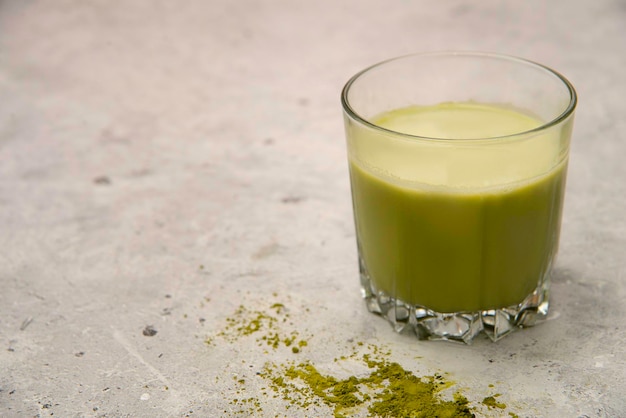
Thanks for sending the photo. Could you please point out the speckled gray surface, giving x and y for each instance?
(162, 163)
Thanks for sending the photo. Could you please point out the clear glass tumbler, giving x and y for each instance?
(457, 166)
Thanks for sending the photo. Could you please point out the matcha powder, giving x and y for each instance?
(388, 391)
(378, 387)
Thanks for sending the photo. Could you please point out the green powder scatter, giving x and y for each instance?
(382, 389)
(388, 391)
(244, 323)
(491, 402)
(278, 307)
(266, 326)
(246, 406)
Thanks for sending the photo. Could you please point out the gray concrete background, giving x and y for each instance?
(162, 163)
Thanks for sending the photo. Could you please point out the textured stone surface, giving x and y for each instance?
(162, 163)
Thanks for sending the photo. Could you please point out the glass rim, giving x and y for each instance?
(569, 110)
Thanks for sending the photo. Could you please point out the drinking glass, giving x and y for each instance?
(457, 167)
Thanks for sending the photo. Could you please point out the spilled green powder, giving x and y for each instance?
(491, 402)
(387, 391)
(380, 388)
(244, 404)
(266, 326)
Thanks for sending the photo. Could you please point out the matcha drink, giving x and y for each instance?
(462, 224)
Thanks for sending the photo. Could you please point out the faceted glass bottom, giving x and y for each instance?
(458, 326)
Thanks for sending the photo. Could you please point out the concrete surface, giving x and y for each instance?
(163, 163)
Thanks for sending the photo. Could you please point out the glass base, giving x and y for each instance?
(458, 326)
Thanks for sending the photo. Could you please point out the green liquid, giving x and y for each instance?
(435, 228)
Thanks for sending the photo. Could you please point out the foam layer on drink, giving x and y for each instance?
(460, 147)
